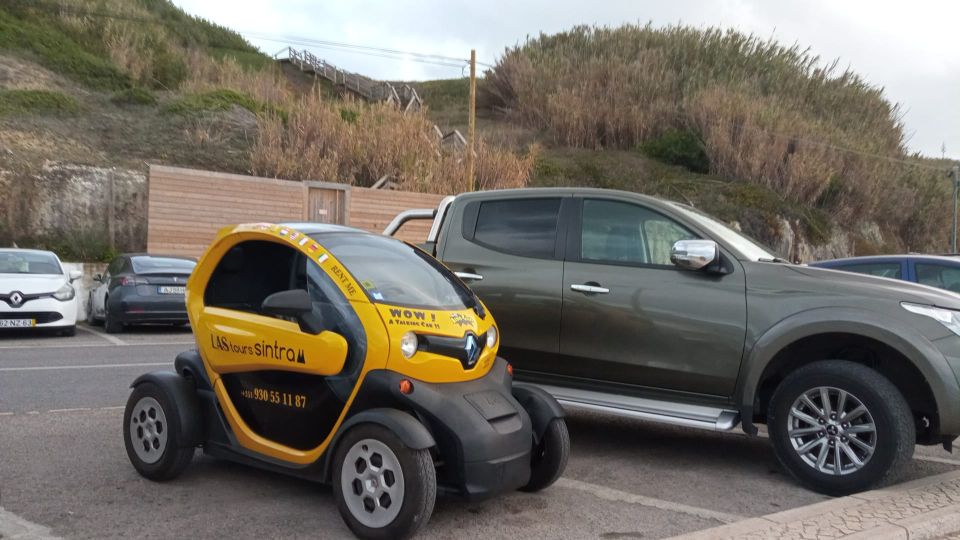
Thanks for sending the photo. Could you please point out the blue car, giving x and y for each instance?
(933, 270)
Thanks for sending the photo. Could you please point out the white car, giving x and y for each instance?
(35, 292)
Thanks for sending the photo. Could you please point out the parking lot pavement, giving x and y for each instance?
(63, 466)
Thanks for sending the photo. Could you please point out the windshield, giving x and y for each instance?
(396, 273)
(747, 247)
(29, 262)
(150, 265)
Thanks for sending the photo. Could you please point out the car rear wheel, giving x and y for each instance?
(840, 427)
(152, 434)
(111, 324)
(383, 488)
(549, 458)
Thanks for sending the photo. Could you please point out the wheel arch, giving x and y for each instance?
(903, 356)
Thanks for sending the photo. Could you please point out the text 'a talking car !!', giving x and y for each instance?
(340, 356)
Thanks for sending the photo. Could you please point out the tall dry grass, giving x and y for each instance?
(767, 114)
(358, 143)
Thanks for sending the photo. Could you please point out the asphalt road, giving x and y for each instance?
(63, 465)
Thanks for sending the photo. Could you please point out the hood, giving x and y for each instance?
(880, 287)
(31, 283)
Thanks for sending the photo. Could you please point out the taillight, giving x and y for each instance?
(129, 281)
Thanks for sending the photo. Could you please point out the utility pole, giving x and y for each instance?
(955, 173)
(472, 130)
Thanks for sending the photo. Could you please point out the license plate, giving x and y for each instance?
(491, 404)
(171, 290)
(17, 323)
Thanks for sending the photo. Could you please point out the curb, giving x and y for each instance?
(13, 527)
(920, 509)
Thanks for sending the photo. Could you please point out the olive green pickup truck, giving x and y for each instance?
(626, 304)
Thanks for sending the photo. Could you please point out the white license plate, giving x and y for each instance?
(17, 323)
(171, 290)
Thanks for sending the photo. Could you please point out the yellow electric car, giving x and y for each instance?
(340, 356)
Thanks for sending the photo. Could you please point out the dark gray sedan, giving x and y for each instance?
(140, 288)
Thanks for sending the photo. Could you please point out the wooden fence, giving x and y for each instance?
(186, 207)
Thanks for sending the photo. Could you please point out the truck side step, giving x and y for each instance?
(665, 412)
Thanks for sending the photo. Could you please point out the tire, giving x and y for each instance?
(892, 437)
(91, 317)
(549, 457)
(414, 482)
(164, 458)
(111, 324)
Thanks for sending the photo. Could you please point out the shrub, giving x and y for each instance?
(134, 96)
(678, 147)
(220, 100)
(36, 102)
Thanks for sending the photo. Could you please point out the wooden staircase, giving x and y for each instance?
(404, 96)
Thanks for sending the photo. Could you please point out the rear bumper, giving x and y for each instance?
(133, 308)
(46, 312)
(483, 436)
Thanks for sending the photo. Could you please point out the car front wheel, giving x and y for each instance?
(383, 488)
(840, 427)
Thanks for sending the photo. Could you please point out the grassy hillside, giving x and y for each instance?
(734, 106)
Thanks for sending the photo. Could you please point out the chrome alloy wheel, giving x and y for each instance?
(832, 430)
(372, 483)
(148, 430)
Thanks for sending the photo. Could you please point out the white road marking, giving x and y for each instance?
(70, 410)
(936, 459)
(13, 526)
(79, 409)
(117, 408)
(98, 345)
(90, 366)
(6, 414)
(609, 494)
(112, 339)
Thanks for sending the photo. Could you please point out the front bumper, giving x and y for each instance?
(484, 436)
(47, 312)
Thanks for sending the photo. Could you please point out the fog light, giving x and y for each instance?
(406, 386)
(409, 344)
(491, 337)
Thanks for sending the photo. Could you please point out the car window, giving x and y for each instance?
(525, 227)
(939, 275)
(619, 232)
(251, 271)
(143, 264)
(29, 262)
(884, 269)
(115, 266)
(396, 273)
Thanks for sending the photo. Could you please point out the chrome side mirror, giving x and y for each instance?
(694, 254)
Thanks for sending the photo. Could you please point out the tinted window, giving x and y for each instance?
(28, 262)
(939, 275)
(146, 264)
(393, 272)
(250, 272)
(885, 269)
(522, 226)
(116, 266)
(621, 232)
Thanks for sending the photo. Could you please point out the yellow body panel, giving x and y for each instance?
(232, 341)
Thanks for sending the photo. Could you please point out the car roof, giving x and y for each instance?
(23, 250)
(902, 257)
(323, 228)
(159, 255)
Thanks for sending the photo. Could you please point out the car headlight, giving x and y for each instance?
(409, 344)
(491, 337)
(65, 293)
(946, 317)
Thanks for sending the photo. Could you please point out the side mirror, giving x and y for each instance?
(98, 278)
(296, 304)
(292, 303)
(75, 275)
(694, 254)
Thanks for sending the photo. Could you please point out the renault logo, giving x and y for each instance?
(472, 348)
(16, 299)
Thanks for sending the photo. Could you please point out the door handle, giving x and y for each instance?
(590, 289)
(469, 276)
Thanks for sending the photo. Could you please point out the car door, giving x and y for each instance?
(508, 250)
(274, 375)
(631, 317)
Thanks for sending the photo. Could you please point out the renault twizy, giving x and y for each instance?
(345, 357)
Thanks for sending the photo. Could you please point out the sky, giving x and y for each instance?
(910, 49)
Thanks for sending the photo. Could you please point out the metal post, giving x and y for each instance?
(472, 130)
(955, 172)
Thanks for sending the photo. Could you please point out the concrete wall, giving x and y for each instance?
(85, 283)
